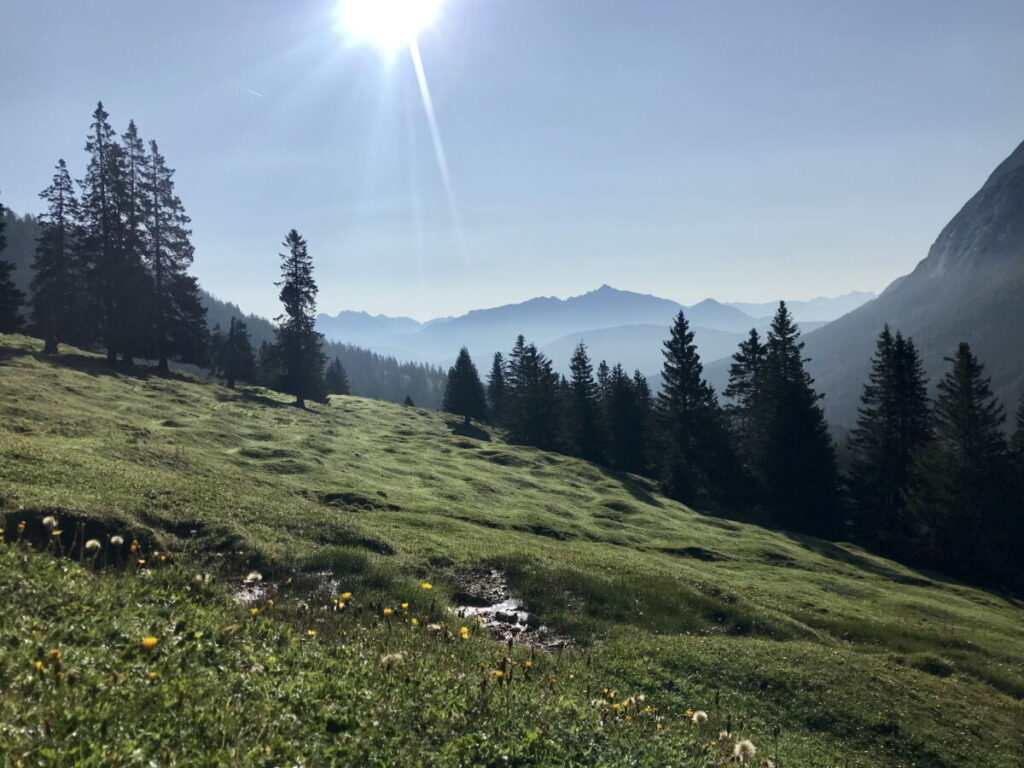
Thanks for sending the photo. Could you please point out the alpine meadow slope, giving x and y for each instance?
(819, 653)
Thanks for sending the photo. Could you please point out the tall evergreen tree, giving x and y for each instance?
(496, 389)
(794, 457)
(11, 298)
(892, 426)
(583, 433)
(533, 397)
(135, 336)
(627, 416)
(176, 311)
(302, 361)
(744, 386)
(336, 379)
(103, 233)
(686, 416)
(232, 355)
(959, 495)
(464, 392)
(58, 283)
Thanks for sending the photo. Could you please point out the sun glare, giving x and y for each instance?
(387, 24)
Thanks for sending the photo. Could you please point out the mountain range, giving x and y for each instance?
(618, 326)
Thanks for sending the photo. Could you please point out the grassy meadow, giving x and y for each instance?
(818, 653)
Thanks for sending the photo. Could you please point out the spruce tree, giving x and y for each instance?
(58, 283)
(959, 494)
(794, 456)
(302, 361)
(464, 392)
(11, 298)
(496, 389)
(336, 379)
(744, 386)
(686, 413)
(583, 434)
(103, 233)
(533, 397)
(891, 428)
(176, 311)
(135, 337)
(408, 402)
(268, 366)
(626, 421)
(232, 354)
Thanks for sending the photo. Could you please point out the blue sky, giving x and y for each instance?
(741, 150)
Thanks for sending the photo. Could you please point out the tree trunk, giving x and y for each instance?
(50, 347)
(300, 401)
(162, 366)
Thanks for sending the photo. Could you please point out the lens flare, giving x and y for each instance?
(387, 24)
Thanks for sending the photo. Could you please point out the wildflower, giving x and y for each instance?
(39, 666)
(142, 561)
(57, 655)
(414, 621)
(153, 675)
(270, 603)
(50, 522)
(163, 558)
(391, 659)
(21, 527)
(56, 532)
(498, 673)
(744, 751)
(700, 717)
(149, 642)
(405, 606)
(527, 664)
(346, 595)
(464, 633)
(253, 611)
(116, 541)
(311, 632)
(135, 546)
(93, 545)
(253, 577)
(388, 611)
(426, 585)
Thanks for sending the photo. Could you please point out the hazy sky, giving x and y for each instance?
(745, 151)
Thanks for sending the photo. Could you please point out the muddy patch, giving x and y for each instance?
(484, 596)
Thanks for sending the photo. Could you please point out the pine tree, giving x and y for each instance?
(11, 298)
(302, 362)
(686, 413)
(135, 336)
(408, 402)
(58, 283)
(583, 433)
(959, 494)
(177, 314)
(496, 389)
(464, 392)
(336, 379)
(891, 428)
(232, 354)
(268, 366)
(532, 397)
(103, 233)
(794, 456)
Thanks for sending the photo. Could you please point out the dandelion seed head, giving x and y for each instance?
(116, 541)
(700, 717)
(253, 577)
(93, 545)
(50, 522)
(744, 750)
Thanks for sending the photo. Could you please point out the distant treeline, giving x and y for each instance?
(935, 484)
(106, 266)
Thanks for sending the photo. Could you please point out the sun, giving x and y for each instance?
(386, 24)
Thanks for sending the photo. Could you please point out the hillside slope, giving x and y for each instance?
(851, 657)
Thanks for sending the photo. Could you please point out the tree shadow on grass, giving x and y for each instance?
(462, 429)
(634, 486)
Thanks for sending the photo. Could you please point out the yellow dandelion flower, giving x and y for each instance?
(142, 561)
(39, 666)
(346, 595)
(56, 532)
(153, 675)
(572, 676)
(21, 527)
(163, 558)
(414, 621)
(253, 611)
(405, 606)
(658, 726)
(498, 673)
(149, 642)
(426, 585)
(57, 655)
(311, 632)
(135, 546)
(270, 603)
(464, 632)
(527, 664)
(388, 611)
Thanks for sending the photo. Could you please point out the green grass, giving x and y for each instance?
(852, 659)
